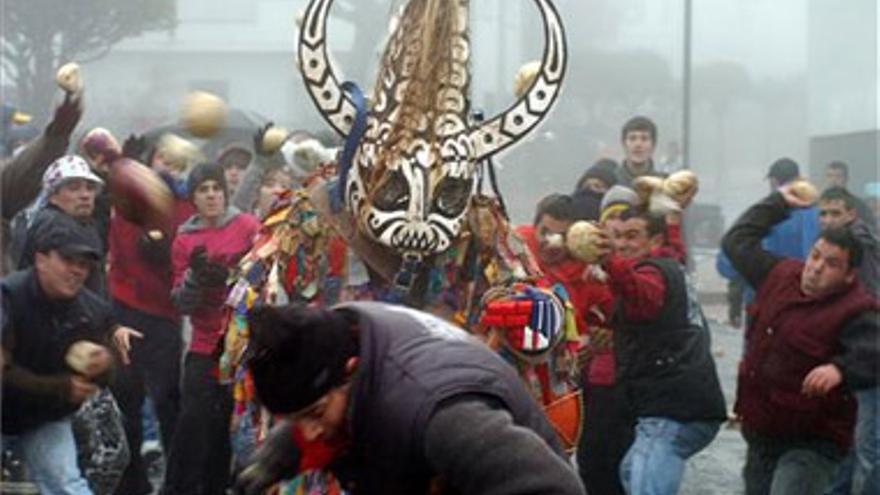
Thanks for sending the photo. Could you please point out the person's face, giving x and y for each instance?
(61, 277)
(233, 177)
(638, 146)
(324, 420)
(160, 164)
(826, 270)
(273, 184)
(209, 200)
(596, 185)
(550, 233)
(834, 213)
(76, 197)
(630, 238)
(835, 177)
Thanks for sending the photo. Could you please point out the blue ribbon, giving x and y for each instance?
(351, 142)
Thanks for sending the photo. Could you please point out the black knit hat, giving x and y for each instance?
(297, 354)
(206, 171)
(605, 169)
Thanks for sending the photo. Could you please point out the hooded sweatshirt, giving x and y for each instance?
(587, 201)
(225, 243)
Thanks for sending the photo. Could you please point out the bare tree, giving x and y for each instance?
(40, 35)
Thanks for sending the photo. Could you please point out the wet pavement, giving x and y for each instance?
(716, 470)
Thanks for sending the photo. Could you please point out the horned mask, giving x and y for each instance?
(411, 176)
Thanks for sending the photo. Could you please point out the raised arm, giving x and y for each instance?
(22, 176)
(742, 243)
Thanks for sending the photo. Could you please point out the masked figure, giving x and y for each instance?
(404, 219)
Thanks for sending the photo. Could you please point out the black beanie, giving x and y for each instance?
(206, 171)
(297, 354)
(604, 169)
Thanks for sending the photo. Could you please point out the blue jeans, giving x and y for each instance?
(50, 455)
(777, 466)
(655, 463)
(859, 474)
(866, 477)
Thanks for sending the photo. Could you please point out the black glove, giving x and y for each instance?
(155, 249)
(207, 273)
(66, 117)
(134, 147)
(258, 140)
(276, 459)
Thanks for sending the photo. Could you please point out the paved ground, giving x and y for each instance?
(716, 470)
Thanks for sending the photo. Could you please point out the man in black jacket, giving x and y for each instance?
(415, 403)
(838, 208)
(663, 353)
(837, 175)
(47, 312)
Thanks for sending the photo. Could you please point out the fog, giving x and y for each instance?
(796, 78)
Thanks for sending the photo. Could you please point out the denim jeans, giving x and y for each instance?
(866, 475)
(655, 463)
(783, 467)
(50, 455)
(842, 484)
(859, 473)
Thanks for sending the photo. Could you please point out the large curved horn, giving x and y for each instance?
(317, 72)
(510, 126)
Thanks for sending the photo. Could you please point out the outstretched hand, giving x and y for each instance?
(122, 340)
(258, 139)
(134, 147)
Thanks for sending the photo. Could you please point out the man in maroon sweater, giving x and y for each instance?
(813, 338)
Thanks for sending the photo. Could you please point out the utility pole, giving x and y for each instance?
(686, 88)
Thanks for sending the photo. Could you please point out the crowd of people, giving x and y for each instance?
(284, 314)
(371, 382)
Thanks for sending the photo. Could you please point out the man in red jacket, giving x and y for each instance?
(140, 286)
(813, 338)
(546, 241)
(607, 426)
